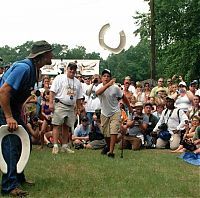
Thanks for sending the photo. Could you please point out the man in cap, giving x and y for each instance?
(81, 133)
(65, 95)
(109, 95)
(174, 121)
(15, 87)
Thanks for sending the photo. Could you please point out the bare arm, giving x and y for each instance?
(102, 89)
(5, 91)
(126, 101)
(51, 100)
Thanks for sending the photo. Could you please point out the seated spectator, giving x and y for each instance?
(189, 134)
(47, 116)
(195, 109)
(96, 138)
(169, 127)
(159, 110)
(33, 128)
(150, 139)
(196, 140)
(136, 126)
(81, 133)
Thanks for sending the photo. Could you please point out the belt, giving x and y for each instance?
(58, 101)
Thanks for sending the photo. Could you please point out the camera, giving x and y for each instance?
(136, 118)
(163, 127)
(95, 81)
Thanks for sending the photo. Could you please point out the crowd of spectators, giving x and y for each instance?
(170, 102)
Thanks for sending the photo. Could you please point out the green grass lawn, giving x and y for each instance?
(145, 173)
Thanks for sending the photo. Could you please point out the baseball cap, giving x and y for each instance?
(106, 71)
(84, 118)
(194, 82)
(182, 83)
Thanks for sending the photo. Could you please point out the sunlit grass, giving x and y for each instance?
(145, 173)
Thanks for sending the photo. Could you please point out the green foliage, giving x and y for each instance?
(11, 55)
(133, 62)
(177, 37)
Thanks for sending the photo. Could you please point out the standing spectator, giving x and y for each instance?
(139, 94)
(131, 87)
(160, 84)
(128, 94)
(173, 92)
(109, 95)
(45, 85)
(193, 87)
(147, 91)
(66, 91)
(184, 98)
(15, 88)
(93, 101)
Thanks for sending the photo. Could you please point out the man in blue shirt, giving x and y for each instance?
(15, 87)
(81, 133)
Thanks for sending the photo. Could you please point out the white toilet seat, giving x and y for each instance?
(24, 137)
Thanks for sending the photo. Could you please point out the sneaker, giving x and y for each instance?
(49, 145)
(55, 150)
(105, 150)
(66, 149)
(112, 155)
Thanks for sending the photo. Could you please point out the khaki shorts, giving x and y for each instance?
(63, 114)
(111, 125)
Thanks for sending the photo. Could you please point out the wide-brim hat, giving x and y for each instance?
(138, 104)
(39, 47)
(162, 89)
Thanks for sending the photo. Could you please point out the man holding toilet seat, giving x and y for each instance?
(15, 87)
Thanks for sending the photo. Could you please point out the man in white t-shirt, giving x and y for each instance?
(66, 91)
(109, 95)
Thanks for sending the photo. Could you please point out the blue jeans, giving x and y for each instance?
(11, 150)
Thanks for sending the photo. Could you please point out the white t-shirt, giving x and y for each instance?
(93, 101)
(67, 90)
(197, 92)
(109, 99)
